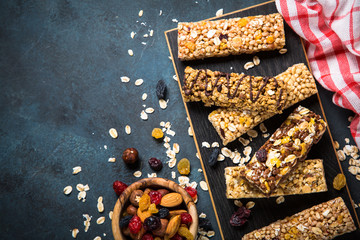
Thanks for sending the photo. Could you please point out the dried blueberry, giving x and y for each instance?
(240, 217)
(152, 223)
(155, 164)
(205, 224)
(261, 155)
(223, 36)
(124, 222)
(213, 157)
(163, 213)
(161, 89)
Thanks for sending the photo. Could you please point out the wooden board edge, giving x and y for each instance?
(195, 140)
(331, 138)
(229, 13)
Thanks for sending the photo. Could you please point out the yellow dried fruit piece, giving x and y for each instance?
(285, 140)
(153, 209)
(191, 46)
(184, 232)
(339, 181)
(303, 148)
(157, 133)
(223, 46)
(242, 22)
(144, 202)
(270, 39)
(258, 34)
(143, 214)
(184, 166)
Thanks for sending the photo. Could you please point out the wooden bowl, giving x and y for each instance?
(152, 182)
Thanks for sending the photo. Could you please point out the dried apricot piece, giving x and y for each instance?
(184, 232)
(157, 133)
(144, 202)
(184, 166)
(339, 181)
(242, 22)
(270, 39)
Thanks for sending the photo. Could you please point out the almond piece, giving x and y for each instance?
(171, 200)
(176, 212)
(173, 226)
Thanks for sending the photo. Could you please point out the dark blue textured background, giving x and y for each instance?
(60, 68)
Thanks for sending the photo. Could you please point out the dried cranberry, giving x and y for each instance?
(186, 218)
(124, 222)
(119, 187)
(223, 36)
(191, 191)
(161, 89)
(135, 225)
(163, 213)
(240, 217)
(155, 164)
(147, 236)
(152, 223)
(155, 197)
(176, 237)
(213, 157)
(205, 224)
(261, 155)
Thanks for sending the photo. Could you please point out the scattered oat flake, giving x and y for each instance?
(138, 82)
(151, 33)
(347, 140)
(176, 148)
(205, 144)
(76, 170)
(249, 65)
(80, 187)
(247, 151)
(252, 133)
(125, 79)
(141, 12)
(175, 77)
(250, 205)
(130, 52)
(226, 152)
(263, 128)
(146, 35)
(127, 129)
(100, 207)
(219, 12)
(137, 174)
(67, 190)
(200, 170)
(150, 175)
(202, 215)
(100, 220)
(336, 144)
(144, 96)
(244, 141)
(190, 132)
(220, 157)
(160, 13)
(256, 60)
(215, 144)
(163, 103)
(143, 115)
(173, 174)
(132, 34)
(341, 155)
(112, 160)
(204, 186)
(74, 232)
(149, 110)
(97, 238)
(283, 51)
(210, 233)
(280, 200)
(174, 20)
(197, 155)
(113, 133)
(81, 195)
(266, 135)
(110, 215)
(238, 203)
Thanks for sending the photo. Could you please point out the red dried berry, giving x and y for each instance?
(261, 155)
(186, 218)
(191, 191)
(240, 217)
(176, 237)
(155, 197)
(147, 236)
(135, 225)
(119, 187)
(155, 164)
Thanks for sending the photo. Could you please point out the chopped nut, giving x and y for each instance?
(67, 190)
(163, 103)
(113, 133)
(204, 186)
(250, 205)
(341, 155)
(127, 129)
(111, 160)
(138, 82)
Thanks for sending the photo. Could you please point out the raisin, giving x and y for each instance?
(155, 164)
(124, 222)
(135, 225)
(339, 181)
(161, 89)
(152, 223)
(213, 157)
(176, 237)
(186, 218)
(261, 155)
(184, 166)
(147, 236)
(144, 202)
(240, 217)
(157, 133)
(155, 197)
(223, 36)
(205, 224)
(191, 191)
(153, 209)
(184, 232)
(119, 187)
(163, 213)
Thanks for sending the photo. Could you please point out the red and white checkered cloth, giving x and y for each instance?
(331, 30)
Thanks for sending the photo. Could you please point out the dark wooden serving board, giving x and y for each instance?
(272, 63)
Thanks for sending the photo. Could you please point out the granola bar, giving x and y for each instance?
(234, 90)
(231, 123)
(198, 40)
(288, 145)
(324, 221)
(308, 177)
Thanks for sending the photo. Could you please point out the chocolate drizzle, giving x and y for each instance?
(237, 87)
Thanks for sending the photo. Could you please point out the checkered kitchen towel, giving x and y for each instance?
(331, 30)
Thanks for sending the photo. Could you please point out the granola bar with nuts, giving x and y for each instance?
(289, 145)
(231, 123)
(324, 221)
(308, 177)
(234, 90)
(234, 36)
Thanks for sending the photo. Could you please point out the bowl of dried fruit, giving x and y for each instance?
(154, 209)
